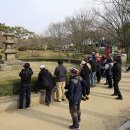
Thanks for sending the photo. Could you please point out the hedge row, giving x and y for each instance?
(52, 60)
(12, 87)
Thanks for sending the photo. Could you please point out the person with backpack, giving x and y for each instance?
(25, 89)
(60, 73)
(74, 95)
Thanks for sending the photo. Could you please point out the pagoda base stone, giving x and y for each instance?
(9, 57)
(11, 65)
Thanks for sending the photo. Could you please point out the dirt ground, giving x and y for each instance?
(100, 112)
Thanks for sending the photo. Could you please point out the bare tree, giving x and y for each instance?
(79, 28)
(114, 19)
(59, 33)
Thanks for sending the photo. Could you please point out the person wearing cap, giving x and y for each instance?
(74, 88)
(85, 74)
(45, 82)
(60, 73)
(25, 89)
(116, 70)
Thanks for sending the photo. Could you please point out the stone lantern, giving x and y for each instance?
(9, 51)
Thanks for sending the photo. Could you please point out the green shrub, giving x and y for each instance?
(36, 48)
(76, 61)
(12, 87)
(23, 48)
(89, 49)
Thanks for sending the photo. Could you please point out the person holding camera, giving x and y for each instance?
(25, 89)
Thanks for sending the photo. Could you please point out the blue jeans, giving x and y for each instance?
(93, 78)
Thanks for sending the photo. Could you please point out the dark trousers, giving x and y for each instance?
(48, 96)
(109, 79)
(86, 87)
(75, 113)
(116, 88)
(25, 90)
(38, 86)
(98, 74)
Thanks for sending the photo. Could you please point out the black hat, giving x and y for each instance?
(26, 65)
(116, 59)
(109, 60)
(60, 62)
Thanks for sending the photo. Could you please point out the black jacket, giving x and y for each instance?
(93, 64)
(45, 79)
(26, 75)
(116, 70)
(85, 73)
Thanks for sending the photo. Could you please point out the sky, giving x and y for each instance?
(36, 15)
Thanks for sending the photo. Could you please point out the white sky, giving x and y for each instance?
(36, 15)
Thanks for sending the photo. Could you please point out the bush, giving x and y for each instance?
(36, 48)
(89, 49)
(12, 87)
(52, 60)
(23, 48)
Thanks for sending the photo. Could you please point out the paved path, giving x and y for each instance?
(101, 112)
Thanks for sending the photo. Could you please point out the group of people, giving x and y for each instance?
(78, 86)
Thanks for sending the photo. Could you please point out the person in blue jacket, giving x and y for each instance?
(74, 97)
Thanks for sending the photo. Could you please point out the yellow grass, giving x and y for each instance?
(14, 74)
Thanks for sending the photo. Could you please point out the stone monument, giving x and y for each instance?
(9, 51)
(10, 62)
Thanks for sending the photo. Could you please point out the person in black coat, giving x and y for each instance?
(45, 82)
(25, 75)
(98, 72)
(116, 70)
(74, 95)
(85, 73)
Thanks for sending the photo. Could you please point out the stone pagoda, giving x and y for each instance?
(9, 51)
(10, 62)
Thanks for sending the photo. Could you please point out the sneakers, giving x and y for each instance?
(57, 100)
(119, 98)
(114, 94)
(84, 98)
(106, 84)
(28, 108)
(87, 98)
(73, 127)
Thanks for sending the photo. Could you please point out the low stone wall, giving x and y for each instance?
(12, 102)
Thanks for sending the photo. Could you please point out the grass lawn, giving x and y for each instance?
(14, 74)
